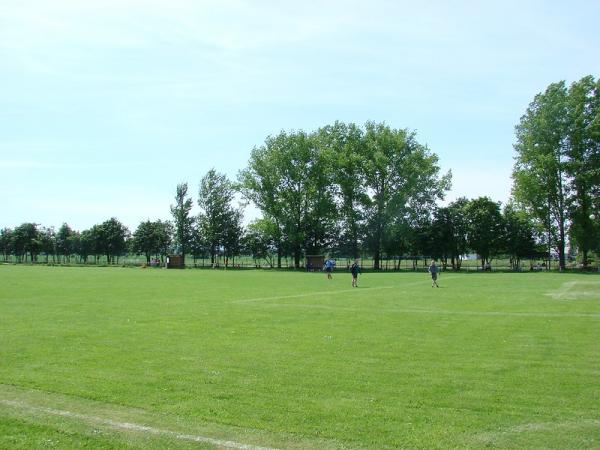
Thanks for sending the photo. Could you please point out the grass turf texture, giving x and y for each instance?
(291, 360)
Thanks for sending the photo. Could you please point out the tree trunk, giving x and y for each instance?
(297, 258)
(561, 247)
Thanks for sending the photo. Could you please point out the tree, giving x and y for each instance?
(403, 180)
(540, 177)
(458, 231)
(113, 236)
(74, 242)
(583, 160)
(88, 244)
(442, 236)
(260, 240)
(288, 180)
(182, 220)
(47, 240)
(152, 239)
(198, 246)
(344, 149)
(233, 236)
(219, 222)
(25, 239)
(64, 243)
(519, 235)
(485, 228)
(6, 243)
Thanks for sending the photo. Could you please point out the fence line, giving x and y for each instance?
(401, 264)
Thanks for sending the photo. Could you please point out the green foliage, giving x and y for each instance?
(6, 244)
(152, 239)
(219, 222)
(112, 237)
(288, 180)
(519, 239)
(182, 219)
(485, 228)
(64, 241)
(557, 170)
(261, 239)
(344, 148)
(583, 161)
(344, 187)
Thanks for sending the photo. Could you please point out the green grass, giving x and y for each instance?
(291, 360)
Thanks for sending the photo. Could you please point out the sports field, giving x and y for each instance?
(150, 358)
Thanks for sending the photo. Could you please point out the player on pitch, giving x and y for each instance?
(355, 270)
(433, 270)
(329, 265)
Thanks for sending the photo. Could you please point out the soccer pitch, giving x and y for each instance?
(150, 358)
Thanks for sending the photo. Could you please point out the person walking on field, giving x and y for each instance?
(433, 270)
(329, 264)
(355, 269)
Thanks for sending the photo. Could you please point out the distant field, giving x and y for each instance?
(150, 358)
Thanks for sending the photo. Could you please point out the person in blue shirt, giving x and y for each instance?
(329, 265)
(355, 270)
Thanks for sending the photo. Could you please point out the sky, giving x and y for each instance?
(105, 106)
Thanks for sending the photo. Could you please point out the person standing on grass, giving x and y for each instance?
(329, 264)
(355, 269)
(433, 270)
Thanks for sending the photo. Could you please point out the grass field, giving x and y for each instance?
(141, 358)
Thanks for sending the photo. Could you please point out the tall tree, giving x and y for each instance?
(540, 177)
(583, 160)
(403, 180)
(219, 221)
(344, 148)
(287, 179)
(182, 219)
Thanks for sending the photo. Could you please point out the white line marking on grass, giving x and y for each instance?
(343, 291)
(437, 312)
(564, 290)
(568, 291)
(549, 426)
(308, 294)
(500, 435)
(132, 426)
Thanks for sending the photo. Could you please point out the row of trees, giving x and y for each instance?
(463, 226)
(29, 240)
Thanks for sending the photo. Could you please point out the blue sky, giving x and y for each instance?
(107, 105)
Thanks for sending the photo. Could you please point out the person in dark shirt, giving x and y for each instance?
(433, 270)
(355, 270)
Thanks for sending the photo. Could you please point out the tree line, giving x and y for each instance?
(478, 225)
(372, 190)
